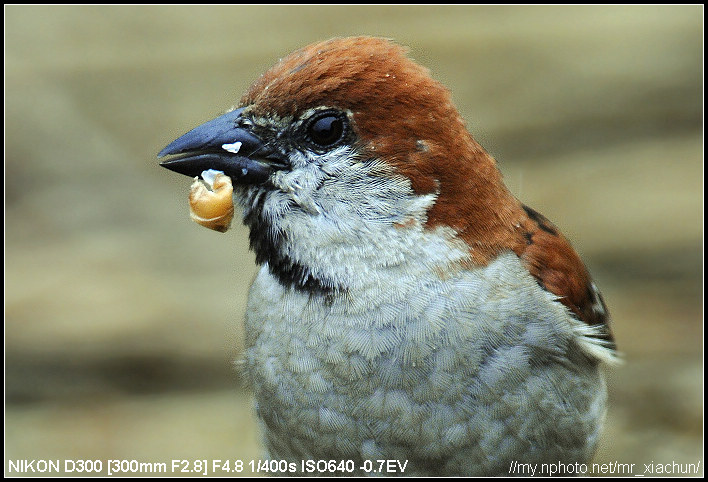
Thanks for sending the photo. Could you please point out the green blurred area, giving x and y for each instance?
(123, 318)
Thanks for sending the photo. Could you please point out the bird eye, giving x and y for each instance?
(326, 129)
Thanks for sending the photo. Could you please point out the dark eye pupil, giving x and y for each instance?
(326, 130)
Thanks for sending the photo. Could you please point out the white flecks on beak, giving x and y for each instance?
(232, 148)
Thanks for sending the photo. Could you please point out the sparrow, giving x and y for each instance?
(408, 307)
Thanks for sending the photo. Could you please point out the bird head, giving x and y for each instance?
(339, 139)
(347, 157)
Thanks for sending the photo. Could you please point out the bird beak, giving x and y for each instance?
(222, 144)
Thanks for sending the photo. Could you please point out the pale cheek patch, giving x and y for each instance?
(211, 202)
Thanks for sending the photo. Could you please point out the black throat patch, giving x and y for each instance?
(268, 244)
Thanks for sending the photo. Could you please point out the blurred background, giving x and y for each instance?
(123, 317)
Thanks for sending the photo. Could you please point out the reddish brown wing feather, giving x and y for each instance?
(551, 259)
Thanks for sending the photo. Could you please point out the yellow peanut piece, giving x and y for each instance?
(212, 208)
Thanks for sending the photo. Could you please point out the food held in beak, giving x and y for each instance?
(211, 201)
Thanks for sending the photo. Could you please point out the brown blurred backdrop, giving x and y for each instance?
(123, 317)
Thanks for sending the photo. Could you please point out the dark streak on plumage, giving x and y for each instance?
(551, 259)
(528, 237)
(540, 220)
